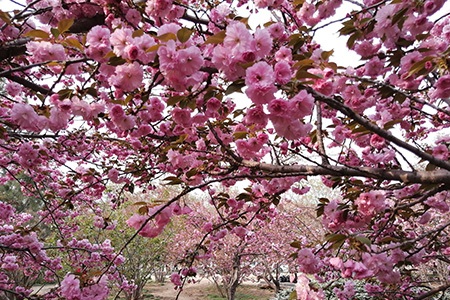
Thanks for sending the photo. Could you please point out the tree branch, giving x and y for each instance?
(28, 84)
(437, 176)
(333, 103)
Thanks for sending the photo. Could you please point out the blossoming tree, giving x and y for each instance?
(191, 93)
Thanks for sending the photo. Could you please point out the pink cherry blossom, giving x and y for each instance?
(237, 38)
(127, 77)
(25, 117)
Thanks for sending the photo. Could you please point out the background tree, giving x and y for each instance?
(144, 259)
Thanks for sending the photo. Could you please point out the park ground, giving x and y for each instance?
(205, 290)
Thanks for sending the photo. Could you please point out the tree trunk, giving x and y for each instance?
(234, 279)
(231, 292)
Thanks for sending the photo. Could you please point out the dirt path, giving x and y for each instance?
(201, 290)
(166, 291)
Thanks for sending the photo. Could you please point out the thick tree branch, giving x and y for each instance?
(319, 134)
(28, 84)
(333, 103)
(437, 176)
(13, 48)
(433, 292)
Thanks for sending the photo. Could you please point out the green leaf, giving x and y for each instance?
(64, 25)
(293, 295)
(192, 172)
(36, 33)
(5, 17)
(153, 48)
(184, 34)
(399, 15)
(65, 93)
(116, 61)
(181, 139)
(298, 3)
(296, 244)
(239, 135)
(167, 37)
(304, 64)
(173, 180)
(304, 74)
(216, 39)
(363, 240)
(55, 32)
(143, 210)
(326, 54)
(348, 28)
(391, 124)
(172, 101)
(73, 42)
(235, 87)
(352, 39)
(418, 67)
(137, 33)
(335, 237)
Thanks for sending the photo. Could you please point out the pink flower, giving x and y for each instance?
(283, 73)
(371, 202)
(168, 56)
(127, 77)
(182, 116)
(301, 105)
(261, 45)
(442, 88)
(279, 108)
(277, 31)
(261, 94)
(143, 43)
(98, 36)
(44, 51)
(356, 270)
(23, 115)
(260, 80)
(158, 8)
(120, 39)
(6, 211)
(207, 227)
(367, 48)
(70, 287)
(441, 152)
(377, 141)
(260, 74)
(125, 123)
(133, 16)
(131, 52)
(336, 262)
(237, 38)
(290, 129)
(116, 111)
(13, 88)
(190, 60)
(438, 202)
(58, 119)
(175, 278)
(308, 262)
(256, 116)
(284, 54)
(97, 291)
(240, 231)
(136, 221)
